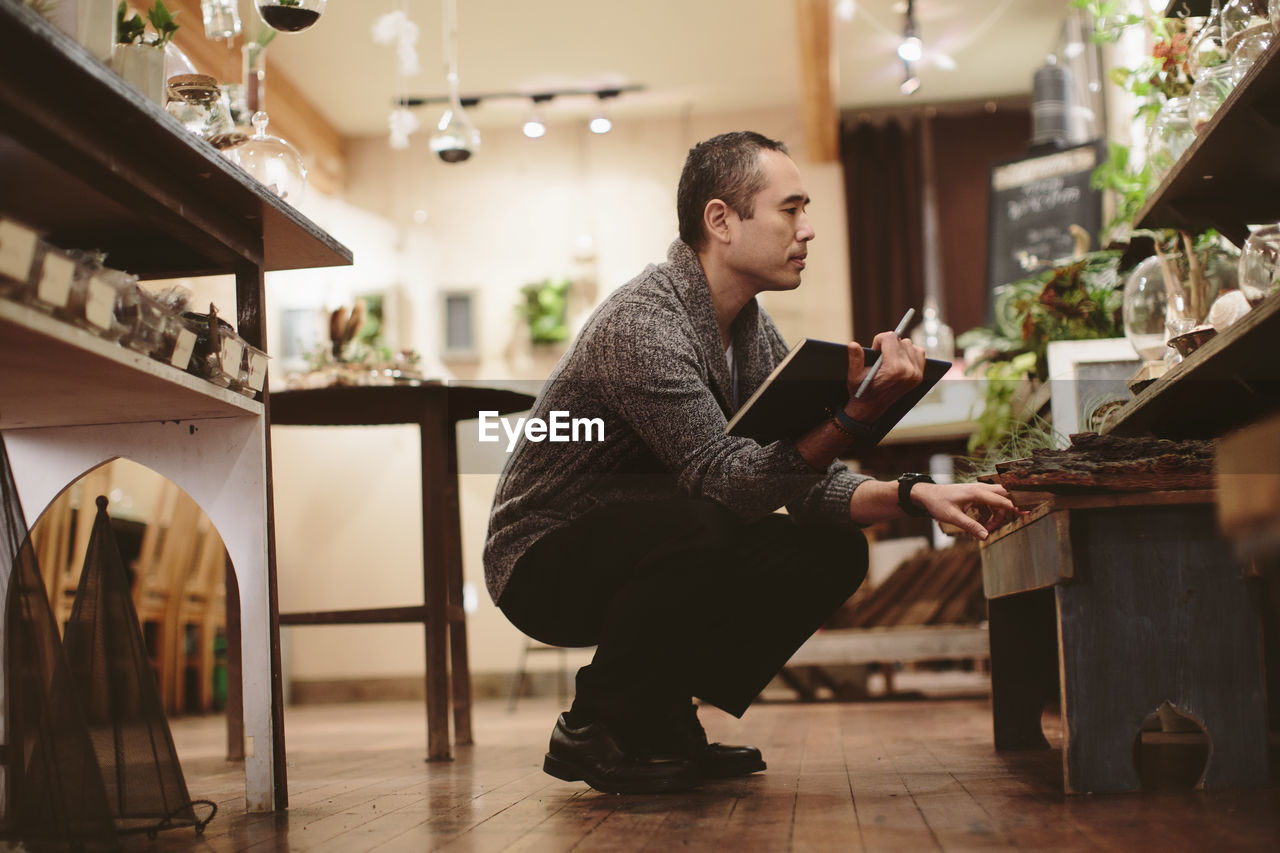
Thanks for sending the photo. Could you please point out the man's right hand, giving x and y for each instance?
(902, 369)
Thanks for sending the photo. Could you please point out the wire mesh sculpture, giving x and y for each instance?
(88, 752)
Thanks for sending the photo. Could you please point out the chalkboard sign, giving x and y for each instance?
(1033, 203)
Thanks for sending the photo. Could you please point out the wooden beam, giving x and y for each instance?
(293, 116)
(817, 76)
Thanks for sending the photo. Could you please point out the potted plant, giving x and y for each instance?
(545, 307)
(139, 57)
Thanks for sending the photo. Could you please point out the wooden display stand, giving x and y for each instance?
(91, 163)
(1135, 601)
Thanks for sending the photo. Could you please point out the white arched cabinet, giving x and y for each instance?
(92, 164)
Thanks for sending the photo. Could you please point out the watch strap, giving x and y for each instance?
(905, 482)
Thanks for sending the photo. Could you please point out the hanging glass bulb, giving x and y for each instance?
(289, 16)
(456, 138)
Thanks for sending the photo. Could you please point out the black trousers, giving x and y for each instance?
(682, 599)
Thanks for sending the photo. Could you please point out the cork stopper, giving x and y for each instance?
(199, 89)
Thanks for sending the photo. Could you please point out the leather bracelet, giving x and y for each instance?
(847, 425)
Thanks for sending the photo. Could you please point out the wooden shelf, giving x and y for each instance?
(87, 159)
(54, 373)
(1230, 381)
(1227, 178)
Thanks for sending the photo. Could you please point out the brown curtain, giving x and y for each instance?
(883, 192)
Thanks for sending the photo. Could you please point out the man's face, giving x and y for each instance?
(771, 246)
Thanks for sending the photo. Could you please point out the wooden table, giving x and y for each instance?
(1133, 601)
(436, 408)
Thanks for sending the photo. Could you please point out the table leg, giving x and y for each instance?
(235, 690)
(433, 430)
(460, 666)
(1024, 666)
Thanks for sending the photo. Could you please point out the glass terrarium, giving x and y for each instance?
(1171, 133)
(1209, 47)
(1260, 263)
(1210, 90)
(1238, 16)
(1144, 309)
(272, 161)
(289, 16)
(1248, 47)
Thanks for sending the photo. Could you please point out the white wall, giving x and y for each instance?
(347, 501)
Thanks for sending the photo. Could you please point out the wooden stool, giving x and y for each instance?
(436, 409)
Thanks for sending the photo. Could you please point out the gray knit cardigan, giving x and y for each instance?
(650, 365)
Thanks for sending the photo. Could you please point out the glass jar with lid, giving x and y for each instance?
(272, 161)
(202, 107)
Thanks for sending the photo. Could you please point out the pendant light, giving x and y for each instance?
(456, 138)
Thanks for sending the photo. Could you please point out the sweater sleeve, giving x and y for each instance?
(651, 377)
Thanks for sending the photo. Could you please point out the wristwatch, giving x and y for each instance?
(905, 482)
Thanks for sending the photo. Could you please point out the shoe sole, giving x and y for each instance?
(564, 770)
(732, 771)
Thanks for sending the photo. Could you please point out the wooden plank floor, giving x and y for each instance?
(908, 775)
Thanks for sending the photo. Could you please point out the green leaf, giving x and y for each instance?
(128, 30)
(164, 22)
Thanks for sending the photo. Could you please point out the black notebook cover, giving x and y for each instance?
(810, 381)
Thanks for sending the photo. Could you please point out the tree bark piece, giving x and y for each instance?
(1113, 463)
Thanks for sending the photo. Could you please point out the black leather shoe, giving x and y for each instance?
(590, 754)
(720, 761)
(715, 760)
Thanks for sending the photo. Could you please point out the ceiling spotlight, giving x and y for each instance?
(600, 122)
(534, 128)
(910, 82)
(910, 48)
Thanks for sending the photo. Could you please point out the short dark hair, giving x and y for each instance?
(726, 167)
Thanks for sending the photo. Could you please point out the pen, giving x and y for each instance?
(871, 374)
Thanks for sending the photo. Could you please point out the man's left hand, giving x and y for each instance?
(952, 502)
